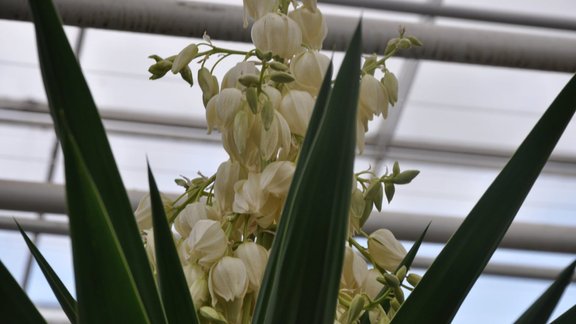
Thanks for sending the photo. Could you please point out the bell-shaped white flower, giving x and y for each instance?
(197, 280)
(143, 212)
(254, 257)
(357, 204)
(309, 68)
(373, 96)
(276, 177)
(227, 175)
(192, 213)
(255, 9)
(296, 107)
(228, 280)
(228, 104)
(371, 286)
(385, 249)
(310, 4)
(277, 33)
(250, 196)
(312, 24)
(212, 119)
(207, 242)
(354, 270)
(231, 77)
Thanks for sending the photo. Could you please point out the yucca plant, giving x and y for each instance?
(114, 282)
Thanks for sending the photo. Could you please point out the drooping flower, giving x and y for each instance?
(312, 24)
(227, 175)
(276, 177)
(309, 68)
(228, 280)
(255, 9)
(354, 271)
(197, 280)
(277, 33)
(192, 213)
(254, 257)
(207, 242)
(296, 107)
(143, 212)
(385, 249)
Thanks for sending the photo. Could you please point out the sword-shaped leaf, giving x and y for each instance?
(16, 307)
(303, 273)
(105, 288)
(171, 281)
(543, 307)
(73, 110)
(451, 276)
(62, 294)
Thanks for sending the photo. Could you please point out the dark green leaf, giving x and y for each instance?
(105, 288)
(303, 273)
(73, 110)
(64, 297)
(543, 307)
(317, 114)
(568, 317)
(16, 307)
(171, 281)
(466, 254)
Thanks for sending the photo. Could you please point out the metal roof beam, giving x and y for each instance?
(453, 44)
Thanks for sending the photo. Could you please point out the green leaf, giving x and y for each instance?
(568, 317)
(105, 288)
(303, 274)
(317, 115)
(543, 307)
(16, 307)
(64, 297)
(171, 281)
(468, 251)
(73, 111)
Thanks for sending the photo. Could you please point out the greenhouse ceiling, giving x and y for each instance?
(486, 73)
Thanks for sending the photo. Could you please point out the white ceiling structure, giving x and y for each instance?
(468, 98)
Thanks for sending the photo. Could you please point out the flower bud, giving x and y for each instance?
(401, 273)
(279, 66)
(159, 69)
(386, 251)
(212, 315)
(207, 242)
(309, 68)
(249, 80)
(252, 99)
(143, 212)
(241, 130)
(413, 279)
(267, 114)
(357, 204)
(277, 177)
(255, 9)
(356, 308)
(296, 107)
(281, 77)
(254, 257)
(184, 58)
(228, 279)
(278, 34)
(230, 79)
(312, 25)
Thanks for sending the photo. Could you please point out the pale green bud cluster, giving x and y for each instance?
(224, 224)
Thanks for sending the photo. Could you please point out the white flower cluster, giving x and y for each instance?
(224, 224)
